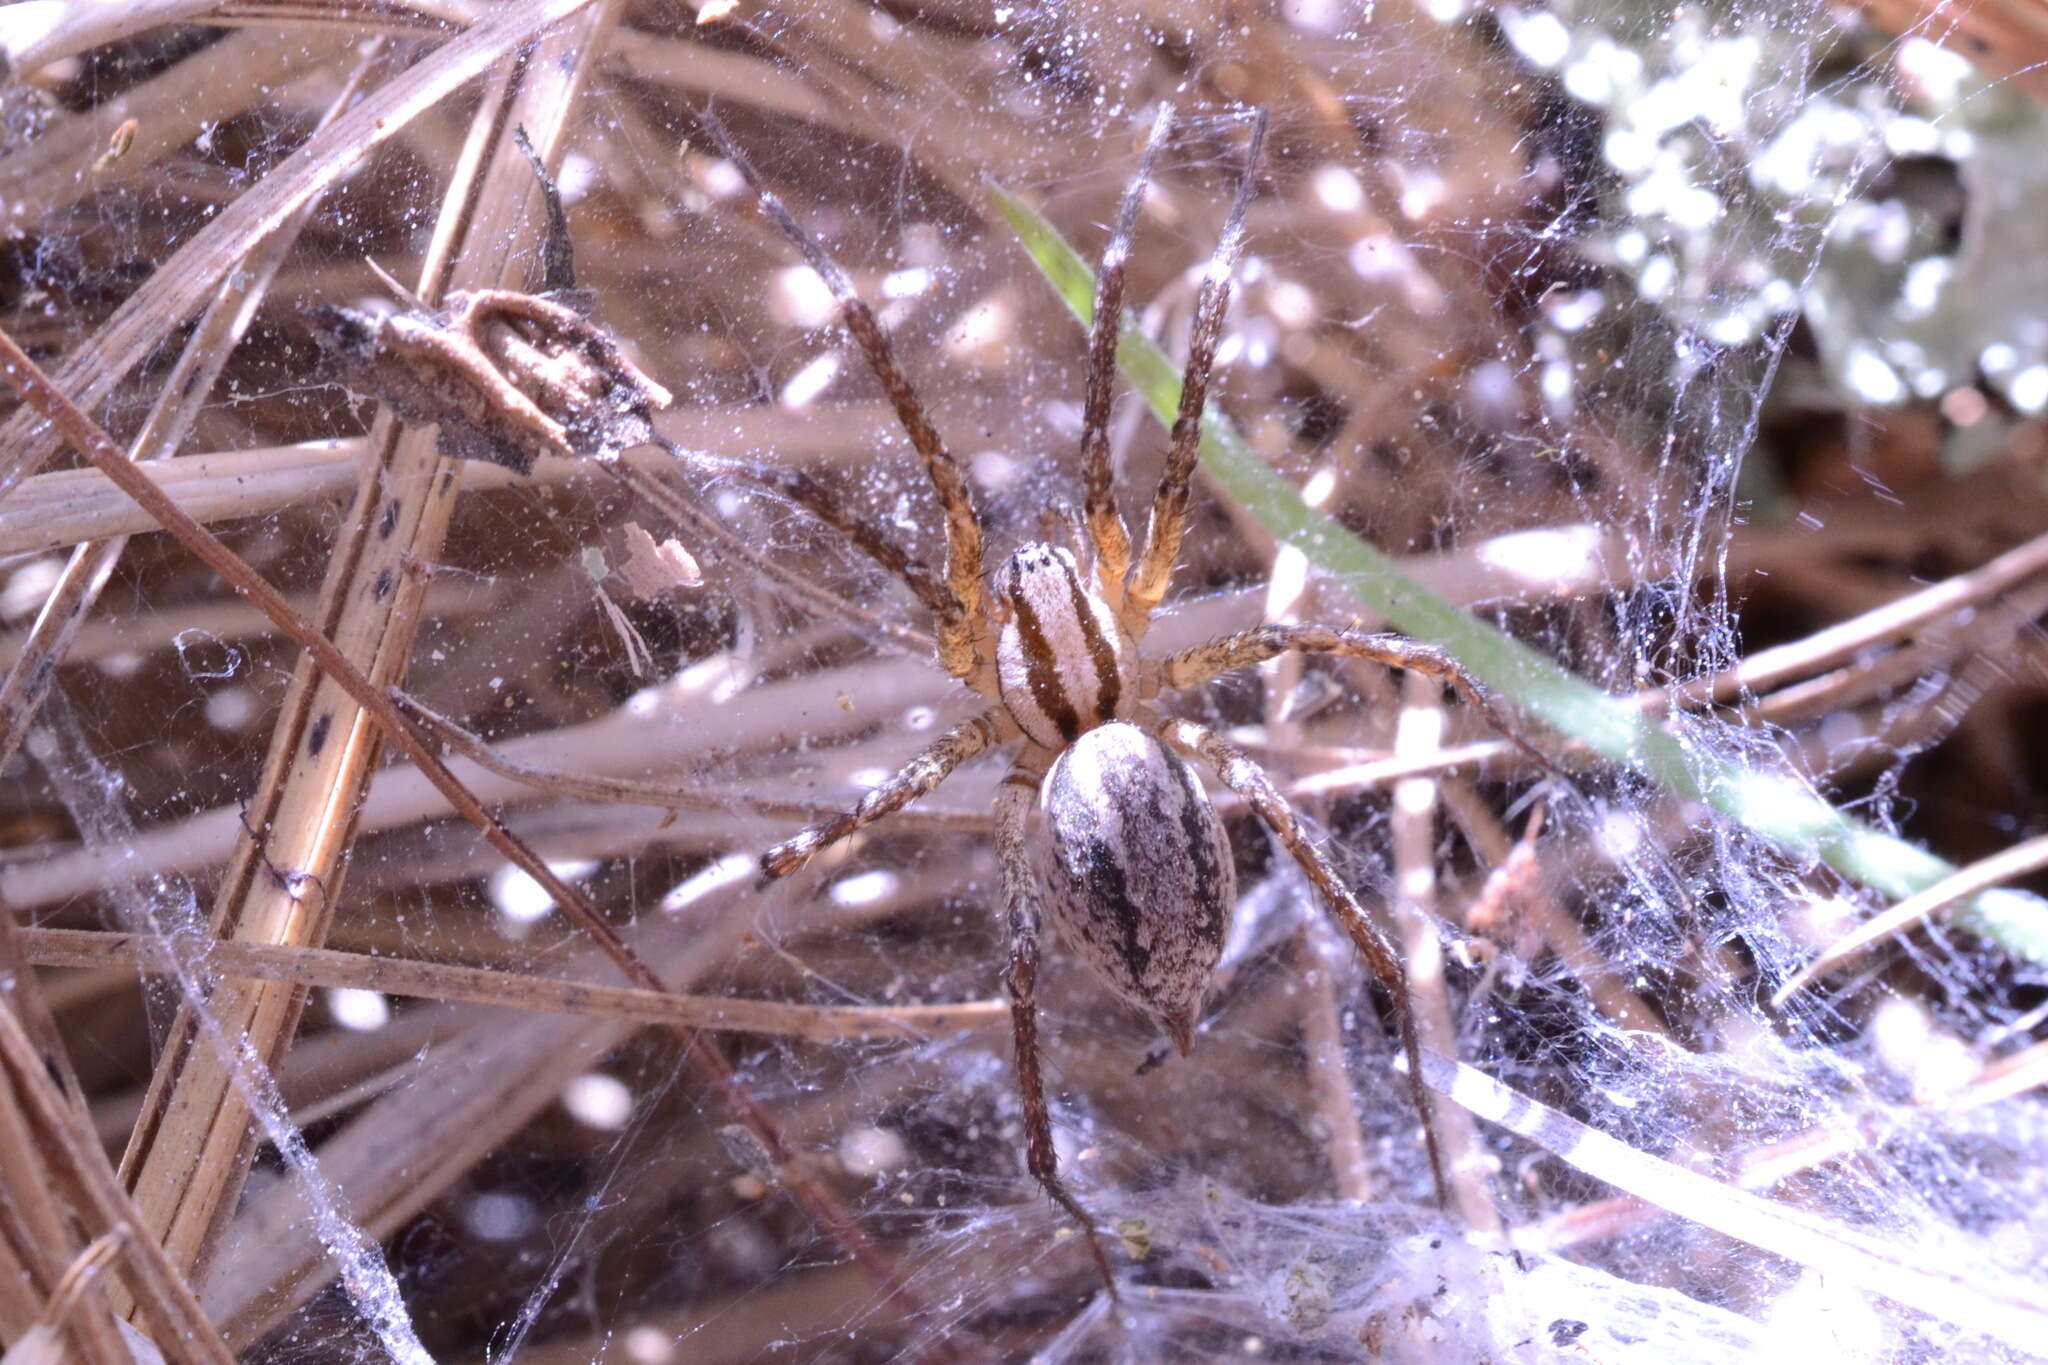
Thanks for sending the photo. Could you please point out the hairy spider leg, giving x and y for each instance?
(903, 786)
(1193, 667)
(1106, 527)
(1250, 781)
(559, 276)
(801, 490)
(1170, 504)
(1020, 895)
(966, 615)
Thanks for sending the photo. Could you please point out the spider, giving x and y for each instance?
(1133, 866)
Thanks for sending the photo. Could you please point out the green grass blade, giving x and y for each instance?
(1771, 804)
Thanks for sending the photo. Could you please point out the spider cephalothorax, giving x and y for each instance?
(1064, 662)
(1130, 860)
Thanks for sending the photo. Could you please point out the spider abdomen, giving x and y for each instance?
(1138, 871)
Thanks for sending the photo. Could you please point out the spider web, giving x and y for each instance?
(1651, 338)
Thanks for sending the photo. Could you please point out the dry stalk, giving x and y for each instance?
(448, 982)
(181, 1331)
(221, 1137)
(1413, 907)
(191, 1149)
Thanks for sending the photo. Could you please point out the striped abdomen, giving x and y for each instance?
(1138, 871)
(1063, 660)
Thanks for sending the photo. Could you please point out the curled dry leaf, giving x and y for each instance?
(652, 567)
(509, 377)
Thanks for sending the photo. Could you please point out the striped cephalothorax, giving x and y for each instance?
(1129, 848)
(1064, 663)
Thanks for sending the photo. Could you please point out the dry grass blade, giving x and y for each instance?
(180, 103)
(625, 791)
(624, 742)
(1414, 915)
(2008, 1310)
(58, 509)
(39, 34)
(183, 282)
(34, 669)
(301, 966)
(166, 1301)
(37, 1230)
(1912, 612)
(2015, 862)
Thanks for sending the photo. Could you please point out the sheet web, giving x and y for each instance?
(1651, 338)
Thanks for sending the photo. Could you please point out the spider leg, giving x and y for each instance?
(1106, 527)
(1170, 503)
(966, 613)
(1191, 667)
(806, 492)
(1020, 893)
(905, 785)
(1250, 781)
